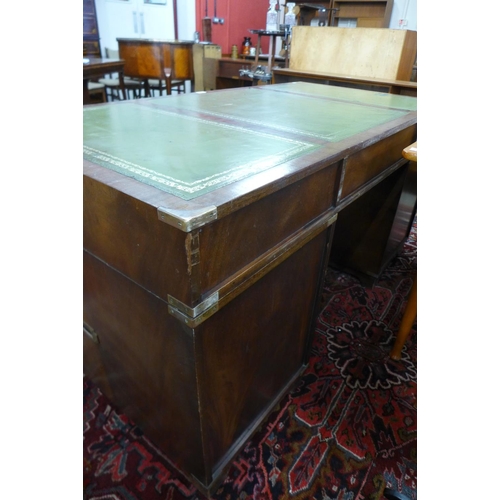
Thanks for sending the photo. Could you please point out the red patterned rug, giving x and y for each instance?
(347, 431)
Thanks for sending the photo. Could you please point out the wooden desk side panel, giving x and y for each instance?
(367, 52)
(144, 362)
(125, 233)
(371, 161)
(229, 244)
(244, 367)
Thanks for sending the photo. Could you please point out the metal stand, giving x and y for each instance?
(259, 73)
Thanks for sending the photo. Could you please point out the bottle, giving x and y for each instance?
(272, 16)
(290, 18)
(245, 47)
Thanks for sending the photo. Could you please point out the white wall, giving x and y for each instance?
(116, 20)
(186, 19)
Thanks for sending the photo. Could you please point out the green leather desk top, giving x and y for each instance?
(191, 144)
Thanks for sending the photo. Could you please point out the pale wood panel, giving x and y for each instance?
(367, 52)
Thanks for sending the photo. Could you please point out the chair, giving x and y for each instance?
(133, 86)
(97, 92)
(410, 313)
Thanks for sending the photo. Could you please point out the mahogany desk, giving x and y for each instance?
(208, 219)
(96, 68)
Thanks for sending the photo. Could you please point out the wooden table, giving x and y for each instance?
(149, 58)
(208, 223)
(97, 68)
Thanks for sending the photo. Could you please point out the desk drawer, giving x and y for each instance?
(365, 165)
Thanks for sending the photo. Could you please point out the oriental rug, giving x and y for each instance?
(346, 431)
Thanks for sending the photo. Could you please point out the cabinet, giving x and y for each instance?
(138, 19)
(90, 30)
(205, 59)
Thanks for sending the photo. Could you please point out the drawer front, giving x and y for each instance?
(265, 224)
(365, 165)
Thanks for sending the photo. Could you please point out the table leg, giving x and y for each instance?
(147, 89)
(257, 50)
(270, 58)
(406, 322)
(122, 85)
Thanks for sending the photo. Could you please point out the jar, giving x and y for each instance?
(245, 47)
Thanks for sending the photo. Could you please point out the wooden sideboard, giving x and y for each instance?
(148, 58)
(208, 221)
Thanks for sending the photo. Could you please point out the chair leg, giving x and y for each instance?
(406, 322)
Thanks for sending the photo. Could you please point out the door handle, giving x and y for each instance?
(135, 21)
(142, 23)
